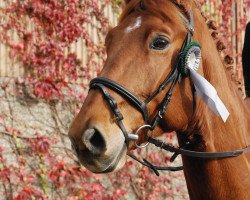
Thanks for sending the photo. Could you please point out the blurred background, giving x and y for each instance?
(49, 51)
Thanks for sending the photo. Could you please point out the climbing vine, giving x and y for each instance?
(39, 164)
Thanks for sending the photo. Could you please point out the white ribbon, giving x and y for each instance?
(209, 95)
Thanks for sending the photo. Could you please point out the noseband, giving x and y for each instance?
(101, 82)
(172, 78)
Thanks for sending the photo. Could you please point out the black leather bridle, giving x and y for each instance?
(102, 83)
(172, 78)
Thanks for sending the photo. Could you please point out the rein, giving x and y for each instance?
(184, 152)
(173, 77)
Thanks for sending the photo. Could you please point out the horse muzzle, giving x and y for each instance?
(94, 153)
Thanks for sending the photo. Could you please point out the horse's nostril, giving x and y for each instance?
(94, 141)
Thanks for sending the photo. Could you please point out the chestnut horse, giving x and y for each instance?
(141, 52)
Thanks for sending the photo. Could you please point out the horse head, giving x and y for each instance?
(139, 77)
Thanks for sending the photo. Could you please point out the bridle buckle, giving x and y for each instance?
(160, 114)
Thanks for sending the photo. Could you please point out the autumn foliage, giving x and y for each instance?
(40, 35)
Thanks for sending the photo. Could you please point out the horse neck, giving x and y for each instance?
(222, 178)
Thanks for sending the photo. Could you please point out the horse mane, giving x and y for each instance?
(228, 60)
(184, 7)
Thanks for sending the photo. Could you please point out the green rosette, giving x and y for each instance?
(190, 58)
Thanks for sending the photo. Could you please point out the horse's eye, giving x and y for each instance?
(160, 43)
